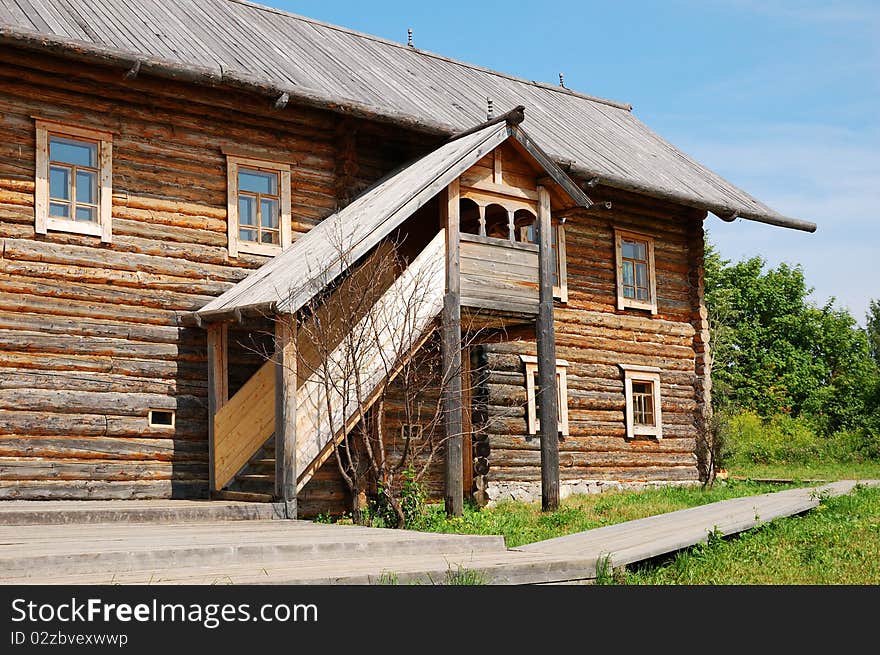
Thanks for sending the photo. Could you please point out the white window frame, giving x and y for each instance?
(43, 222)
(236, 245)
(162, 426)
(631, 303)
(561, 292)
(650, 374)
(531, 369)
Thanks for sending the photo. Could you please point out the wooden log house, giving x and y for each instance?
(183, 182)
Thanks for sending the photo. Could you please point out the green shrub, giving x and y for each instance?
(785, 440)
(780, 440)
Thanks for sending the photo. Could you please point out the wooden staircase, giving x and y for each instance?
(244, 446)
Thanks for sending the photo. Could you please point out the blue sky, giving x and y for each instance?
(780, 97)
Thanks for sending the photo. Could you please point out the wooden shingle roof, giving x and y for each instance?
(277, 53)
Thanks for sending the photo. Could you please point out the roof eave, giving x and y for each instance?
(727, 213)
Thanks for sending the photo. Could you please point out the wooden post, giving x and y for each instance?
(451, 355)
(548, 413)
(218, 389)
(285, 413)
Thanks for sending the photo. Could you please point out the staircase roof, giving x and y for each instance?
(290, 280)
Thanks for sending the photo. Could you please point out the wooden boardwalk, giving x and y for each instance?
(643, 539)
(166, 542)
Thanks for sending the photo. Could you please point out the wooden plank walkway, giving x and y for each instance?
(643, 539)
(200, 549)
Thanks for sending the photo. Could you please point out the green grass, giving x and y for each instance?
(837, 543)
(522, 523)
(809, 471)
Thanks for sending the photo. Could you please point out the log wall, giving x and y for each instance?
(594, 337)
(90, 333)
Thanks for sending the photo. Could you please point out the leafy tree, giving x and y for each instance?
(776, 352)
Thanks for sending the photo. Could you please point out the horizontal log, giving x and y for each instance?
(610, 473)
(109, 403)
(45, 423)
(595, 443)
(28, 468)
(99, 447)
(101, 489)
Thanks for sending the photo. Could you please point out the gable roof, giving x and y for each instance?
(286, 56)
(287, 282)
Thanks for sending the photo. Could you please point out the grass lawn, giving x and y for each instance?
(811, 471)
(836, 543)
(523, 523)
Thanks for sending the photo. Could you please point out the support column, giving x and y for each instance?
(451, 354)
(285, 413)
(548, 410)
(218, 388)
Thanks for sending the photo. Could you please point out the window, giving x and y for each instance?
(527, 232)
(258, 206)
(533, 395)
(642, 389)
(636, 285)
(161, 418)
(73, 188)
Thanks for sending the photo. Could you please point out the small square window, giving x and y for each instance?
(636, 279)
(73, 191)
(161, 418)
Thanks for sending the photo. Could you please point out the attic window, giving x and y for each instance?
(636, 279)
(258, 206)
(73, 188)
(161, 418)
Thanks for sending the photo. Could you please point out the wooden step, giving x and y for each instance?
(243, 496)
(255, 477)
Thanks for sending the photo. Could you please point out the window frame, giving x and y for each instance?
(643, 374)
(533, 423)
(237, 245)
(560, 291)
(43, 222)
(631, 303)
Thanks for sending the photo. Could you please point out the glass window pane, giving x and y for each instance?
(269, 213)
(86, 214)
(57, 209)
(59, 182)
(629, 249)
(641, 387)
(628, 275)
(629, 292)
(641, 275)
(641, 250)
(87, 187)
(247, 235)
(269, 237)
(247, 210)
(70, 151)
(643, 293)
(258, 182)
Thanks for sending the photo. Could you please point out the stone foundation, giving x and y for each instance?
(531, 491)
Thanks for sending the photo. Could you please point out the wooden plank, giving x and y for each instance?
(285, 412)
(451, 355)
